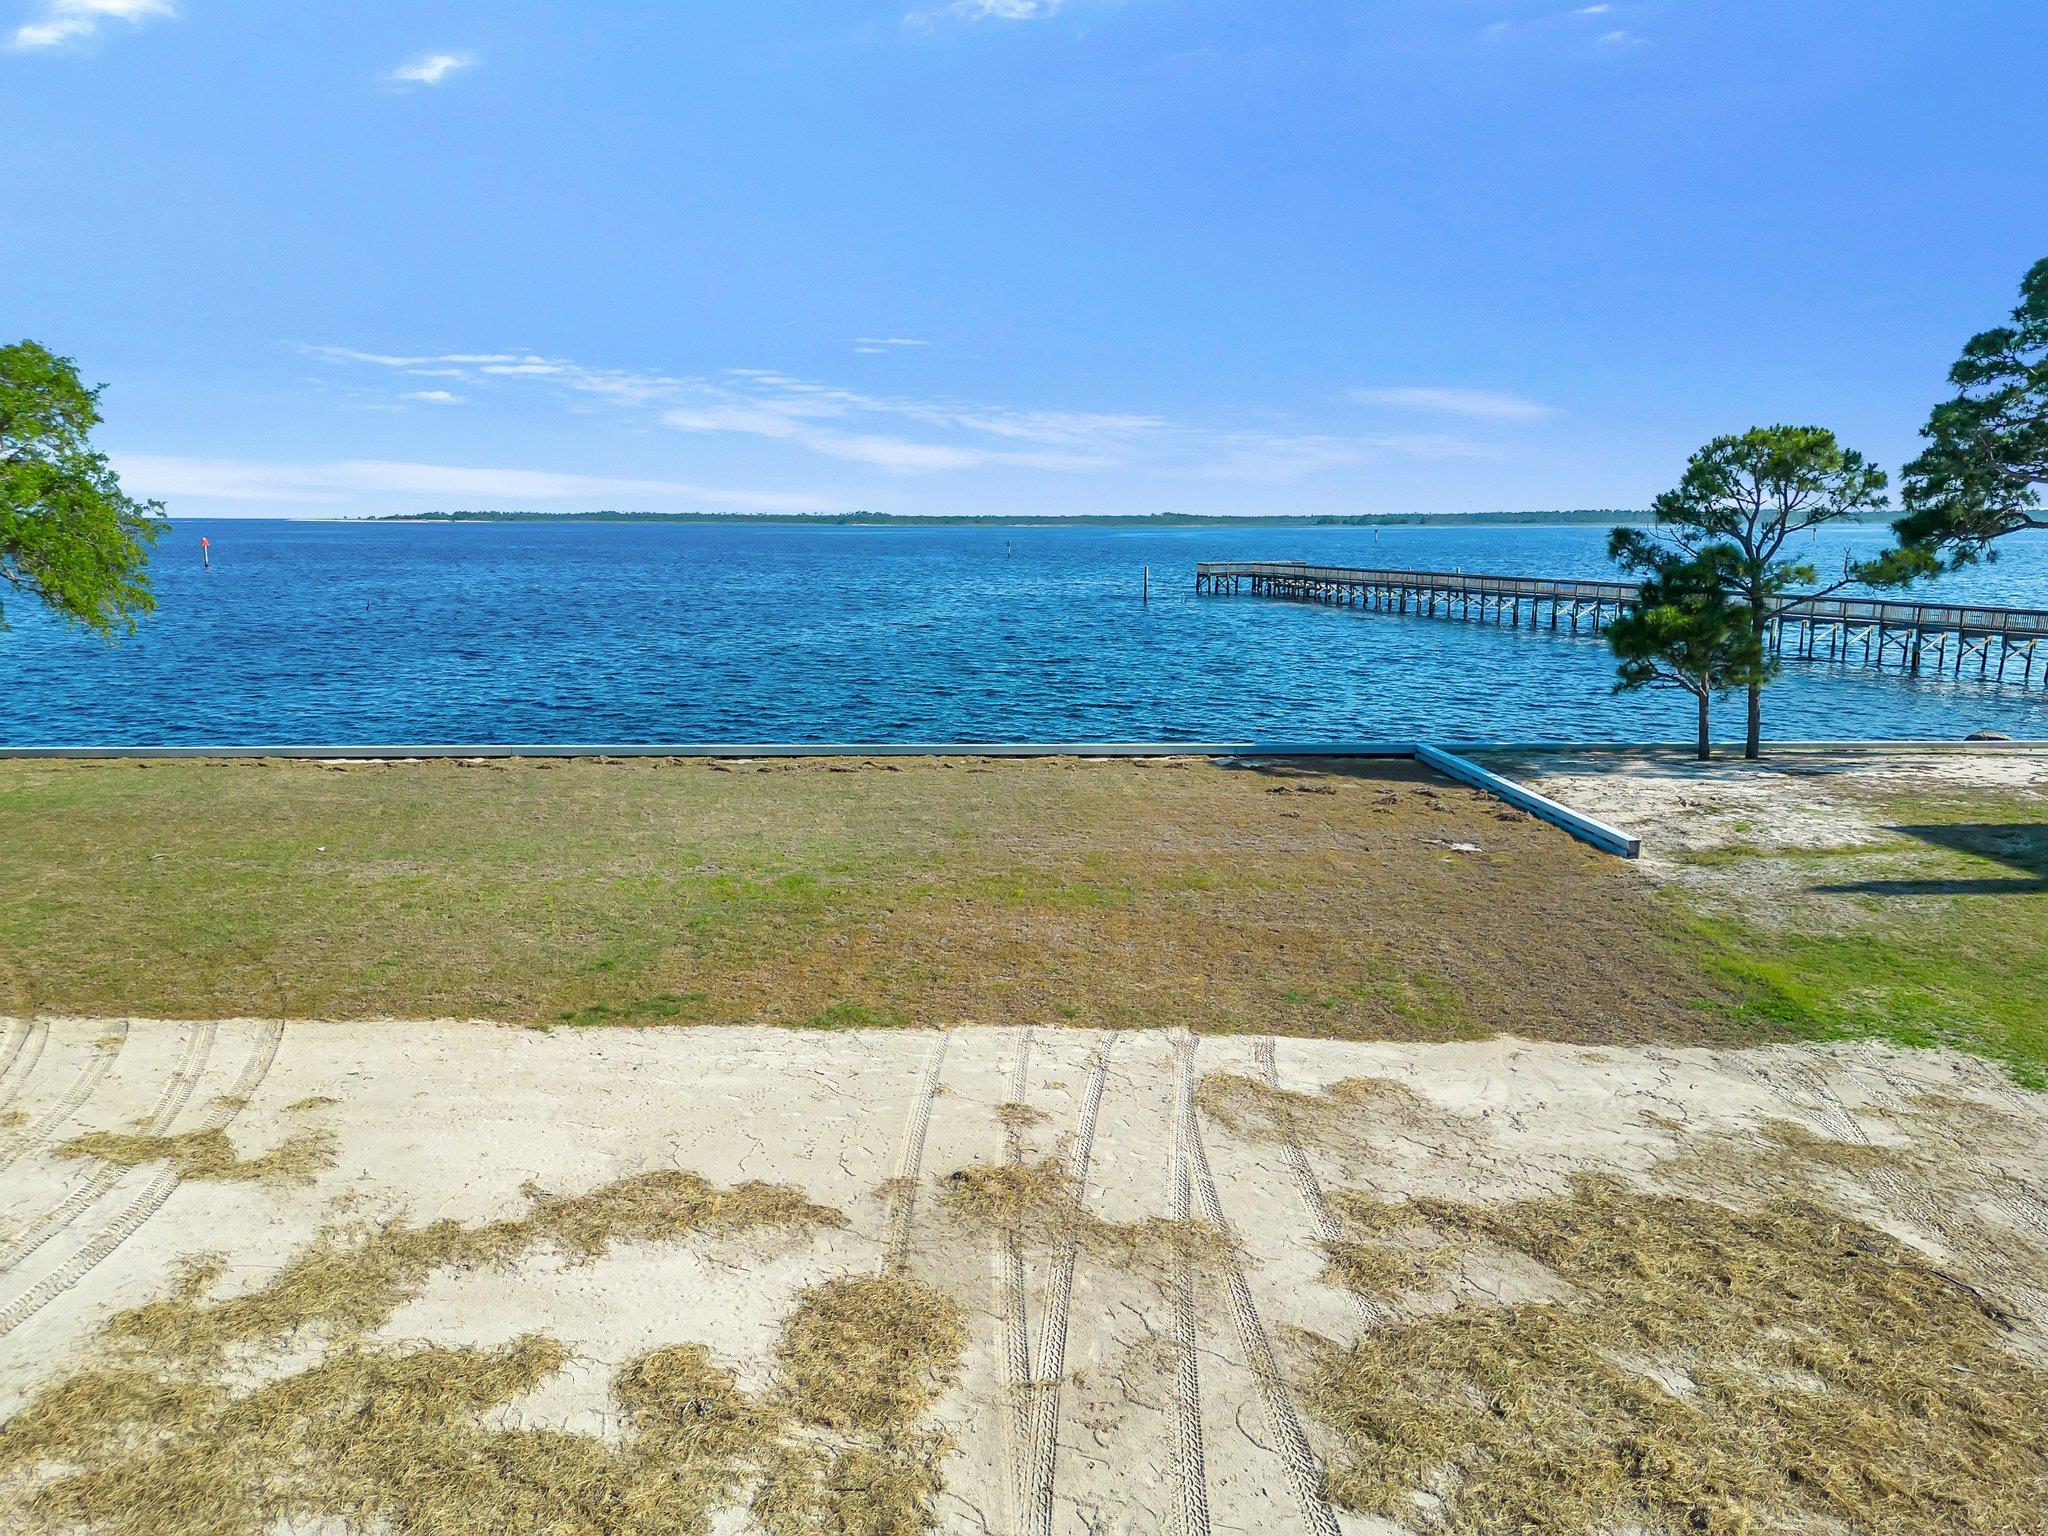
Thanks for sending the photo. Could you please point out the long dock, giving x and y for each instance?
(1932, 639)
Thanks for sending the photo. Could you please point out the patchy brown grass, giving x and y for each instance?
(1719, 1370)
(1893, 895)
(209, 1154)
(159, 1434)
(915, 892)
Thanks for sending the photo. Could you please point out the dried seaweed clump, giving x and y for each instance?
(208, 1154)
(379, 1440)
(162, 1434)
(1258, 1111)
(1717, 1371)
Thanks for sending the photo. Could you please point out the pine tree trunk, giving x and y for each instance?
(1706, 752)
(1753, 739)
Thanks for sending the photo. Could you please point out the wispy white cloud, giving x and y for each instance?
(72, 21)
(846, 424)
(987, 10)
(1279, 456)
(973, 12)
(1446, 400)
(878, 344)
(341, 482)
(435, 397)
(904, 434)
(823, 418)
(1567, 22)
(389, 360)
(432, 68)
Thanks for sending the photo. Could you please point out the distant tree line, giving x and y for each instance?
(1601, 516)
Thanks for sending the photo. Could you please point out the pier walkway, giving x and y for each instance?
(1934, 639)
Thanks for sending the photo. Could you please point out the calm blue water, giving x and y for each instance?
(388, 633)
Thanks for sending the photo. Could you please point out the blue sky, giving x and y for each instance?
(1003, 255)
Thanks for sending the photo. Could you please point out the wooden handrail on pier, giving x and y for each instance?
(1917, 638)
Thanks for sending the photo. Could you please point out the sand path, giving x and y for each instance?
(1094, 1394)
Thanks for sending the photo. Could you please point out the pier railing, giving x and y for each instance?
(1912, 636)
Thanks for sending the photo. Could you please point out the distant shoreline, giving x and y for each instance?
(1580, 517)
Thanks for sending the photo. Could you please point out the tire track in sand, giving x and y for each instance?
(910, 1161)
(17, 1036)
(1827, 1106)
(170, 1102)
(89, 1078)
(1015, 1351)
(2026, 1105)
(1050, 1369)
(1297, 1459)
(262, 1053)
(12, 1081)
(2022, 1201)
(2021, 1206)
(1191, 1514)
(1372, 1313)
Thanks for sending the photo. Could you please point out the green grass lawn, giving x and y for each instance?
(1337, 901)
(1935, 935)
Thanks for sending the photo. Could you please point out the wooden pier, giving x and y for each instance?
(1930, 639)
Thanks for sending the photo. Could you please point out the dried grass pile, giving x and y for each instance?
(198, 1414)
(209, 1154)
(1034, 1202)
(1388, 1248)
(862, 1360)
(1716, 1370)
(1258, 1111)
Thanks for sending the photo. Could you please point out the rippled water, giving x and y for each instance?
(394, 633)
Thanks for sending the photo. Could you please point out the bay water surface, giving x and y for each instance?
(416, 633)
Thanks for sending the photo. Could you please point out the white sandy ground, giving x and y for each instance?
(451, 1119)
(1794, 799)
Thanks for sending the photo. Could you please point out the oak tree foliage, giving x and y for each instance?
(69, 535)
